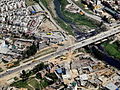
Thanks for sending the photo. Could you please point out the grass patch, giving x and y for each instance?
(24, 84)
(1, 69)
(81, 5)
(76, 18)
(34, 83)
(43, 84)
(112, 49)
(64, 26)
(80, 19)
(45, 2)
(20, 84)
(30, 2)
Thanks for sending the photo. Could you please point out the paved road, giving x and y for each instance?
(83, 43)
(51, 18)
(97, 18)
(31, 64)
(96, 38)
(49, 15)
(72, 47)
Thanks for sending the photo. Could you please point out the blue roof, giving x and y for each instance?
(33, 11)
(117, 89)
(59, 71)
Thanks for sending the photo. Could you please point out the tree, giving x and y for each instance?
(38, 76)
(37, 45)
(15, 78)
(38, 67)
(24, 75)
(31, 50)
(37, 1)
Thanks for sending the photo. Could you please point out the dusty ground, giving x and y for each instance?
(47, 26)
(52, 8)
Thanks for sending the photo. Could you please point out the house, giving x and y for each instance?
(111, 86)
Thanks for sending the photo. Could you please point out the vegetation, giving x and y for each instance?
(25, 75)
(30, 51)
(46, 51)
(1, 69)
(34, 83)
(65, 26)
(81, 5)
(16, 78)
(46, 2)
(20, 84)
(53, 76)
(80, 19)
(29, 2)
(38, 68)
(44, 83)
(14, 64)
(76, 18)
(112, 49)
(37, 82)
(37, 1)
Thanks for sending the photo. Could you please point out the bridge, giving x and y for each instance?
(96, 38)
(81, 44)
(93, 39)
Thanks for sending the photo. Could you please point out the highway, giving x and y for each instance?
(31, 64)
(81, 44)
(96, 38)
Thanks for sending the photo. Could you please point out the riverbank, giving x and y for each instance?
(65, 18)
(99, 53)
(82, 6)
(64, 26)
(112, 49)
(76, 17)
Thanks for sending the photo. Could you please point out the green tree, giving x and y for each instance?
(24, 75)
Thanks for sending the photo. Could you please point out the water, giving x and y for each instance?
(101, 54)
(59, 13)
(76, 30)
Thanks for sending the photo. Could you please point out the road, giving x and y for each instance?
(49, 16)
(96, 38)
(94, 17)
(81, 44)
(31, 64)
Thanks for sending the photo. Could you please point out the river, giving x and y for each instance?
(59, 13)
(99, 53)
(77, 33)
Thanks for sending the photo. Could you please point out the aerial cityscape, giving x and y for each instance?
(60, 45)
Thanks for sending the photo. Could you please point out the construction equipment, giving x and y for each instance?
(81, 13)
(63, 58)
